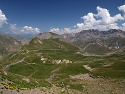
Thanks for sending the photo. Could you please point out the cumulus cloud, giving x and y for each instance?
(61, 31)
(80, 25)
(24, 30)
(123, 26)
(89, 19)
(122, 8)
(30, 30)
(55, 30)
(105, 16)
(101, 21)
(3, 18)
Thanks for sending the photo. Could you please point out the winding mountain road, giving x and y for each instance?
(7, 66)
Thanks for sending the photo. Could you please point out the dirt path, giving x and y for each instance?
(87, 46)
(82, 77)
(53, 73)
(33, 73)
(7, 66)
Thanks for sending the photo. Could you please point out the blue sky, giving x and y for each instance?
(34, 16)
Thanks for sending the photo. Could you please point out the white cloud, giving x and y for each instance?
(101, 21)
(105, 16)
(55, 30)
(107, 27)
(61, 31)
(24, 30)
(122, 8)
(14, 28)
(123, 27)
(80, 25)
(123, 24)
(3, 18)
(30, 30)
(89, 19)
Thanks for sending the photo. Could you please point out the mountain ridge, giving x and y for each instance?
(8, 44)
(49, 35)
(98, 42)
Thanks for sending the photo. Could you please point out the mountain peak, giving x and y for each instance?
(49, 35)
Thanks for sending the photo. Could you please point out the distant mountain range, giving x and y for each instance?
(90, 42)
(94, 42)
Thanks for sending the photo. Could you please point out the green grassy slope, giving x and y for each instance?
(110, 67)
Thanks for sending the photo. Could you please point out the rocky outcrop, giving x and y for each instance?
(61, 61)
(64, 61)
(44, 59)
